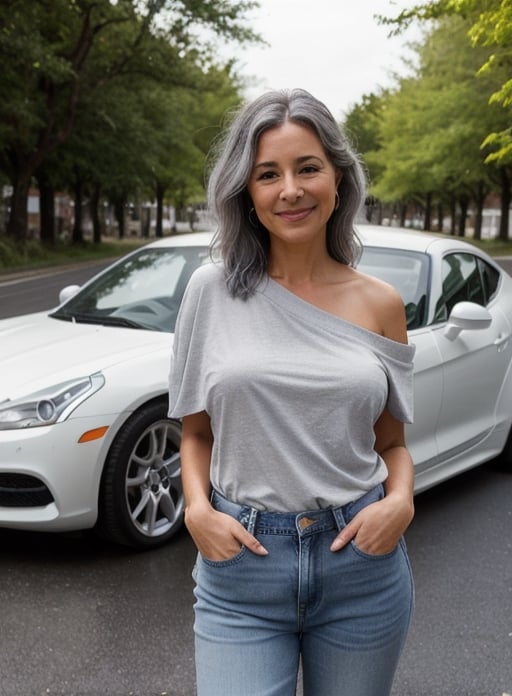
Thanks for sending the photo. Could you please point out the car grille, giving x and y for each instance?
(22, 490)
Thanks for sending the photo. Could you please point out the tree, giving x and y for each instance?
(490, 26)
(404, 160)
(361, 125)
(430, 129)
(461, 115)
(183, 131)
(54, 54)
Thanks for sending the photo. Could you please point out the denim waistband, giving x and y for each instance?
(305, 522)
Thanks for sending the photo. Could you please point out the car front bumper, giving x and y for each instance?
(67, 474)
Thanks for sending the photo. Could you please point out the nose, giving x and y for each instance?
(291, 189)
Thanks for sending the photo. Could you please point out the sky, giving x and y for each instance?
(333, 48)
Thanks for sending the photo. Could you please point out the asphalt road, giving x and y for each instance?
(82, 618)
(79, 617)
(39, 290)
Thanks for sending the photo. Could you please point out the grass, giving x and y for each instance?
(493, 247)
(33, 255)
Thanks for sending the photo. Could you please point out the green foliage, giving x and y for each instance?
(94, 89)
(14, 255)
(425, 136)
(31, 254)
(489, 26)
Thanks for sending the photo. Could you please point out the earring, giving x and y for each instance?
(251, 221)
(337, 199)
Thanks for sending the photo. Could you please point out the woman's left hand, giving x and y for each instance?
(377, 528)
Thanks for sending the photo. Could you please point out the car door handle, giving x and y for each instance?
(502, 341)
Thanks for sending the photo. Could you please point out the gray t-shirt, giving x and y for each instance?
(292, 391)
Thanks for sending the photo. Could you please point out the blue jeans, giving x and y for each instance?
(344, 614)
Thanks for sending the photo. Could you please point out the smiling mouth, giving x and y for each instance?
(295, 215)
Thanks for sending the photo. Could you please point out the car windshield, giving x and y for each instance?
(142, 291)
(408, 272)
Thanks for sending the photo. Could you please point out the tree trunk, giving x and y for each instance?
(146, 221)
(95, 215)
(440, 217)
(119, 214)
(464, 204)
(479, 215)
(17, 224)
(453, 215)
(160, 191)
(380, 213)
(402, 213)
(506, 199)
(427, 223)
(46, 210)
(78, 233)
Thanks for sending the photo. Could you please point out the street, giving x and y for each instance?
(80, 617)
(40, 290)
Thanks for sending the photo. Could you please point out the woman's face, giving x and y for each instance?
(293, 184)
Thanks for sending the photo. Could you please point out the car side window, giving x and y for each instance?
(407, 271)
(465, 277)
(490, 279)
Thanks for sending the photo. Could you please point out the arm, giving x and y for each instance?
(378, 527)
(216, 535)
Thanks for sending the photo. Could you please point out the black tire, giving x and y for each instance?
(141, 497)
(504, 460)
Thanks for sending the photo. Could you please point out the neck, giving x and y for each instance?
(295, 265)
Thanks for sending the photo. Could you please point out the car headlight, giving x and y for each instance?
(49, 405)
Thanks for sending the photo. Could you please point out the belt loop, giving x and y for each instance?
(251, 523)
(339, 517)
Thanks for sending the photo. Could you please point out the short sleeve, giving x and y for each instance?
(186, 378)
(399, 371)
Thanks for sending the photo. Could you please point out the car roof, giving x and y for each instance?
(370, 235)
(393, 237)
(188, 239)
(412, 240)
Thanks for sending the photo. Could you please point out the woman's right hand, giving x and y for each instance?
(219, 536)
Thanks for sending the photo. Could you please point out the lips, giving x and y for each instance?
(295, 215)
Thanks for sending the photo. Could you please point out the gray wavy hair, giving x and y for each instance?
(244, 245)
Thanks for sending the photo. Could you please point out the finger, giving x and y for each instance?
(344, 537)
(250, 542)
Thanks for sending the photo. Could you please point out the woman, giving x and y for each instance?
(292, 374)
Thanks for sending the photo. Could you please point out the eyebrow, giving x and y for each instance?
(299, 160)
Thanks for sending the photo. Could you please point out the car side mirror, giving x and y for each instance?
(466, 316)
(66, 293)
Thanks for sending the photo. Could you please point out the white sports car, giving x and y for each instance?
(84, 438)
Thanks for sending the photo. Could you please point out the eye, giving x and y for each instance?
(269, 174)
(309, 169)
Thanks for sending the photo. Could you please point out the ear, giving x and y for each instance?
(339, 177)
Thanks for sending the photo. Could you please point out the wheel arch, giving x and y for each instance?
(504, 414)
(105, 480)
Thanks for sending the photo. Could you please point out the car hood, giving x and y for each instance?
(37, 350)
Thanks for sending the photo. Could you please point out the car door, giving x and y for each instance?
(428, 388)
(475, 362)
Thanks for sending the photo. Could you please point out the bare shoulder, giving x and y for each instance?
(378, 290)
(385, 303)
